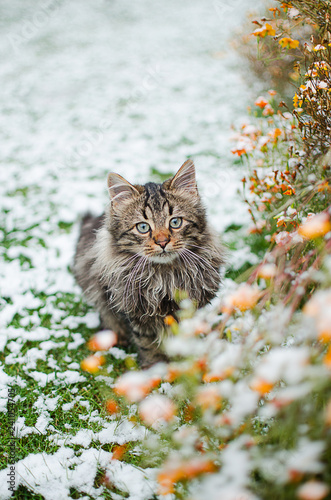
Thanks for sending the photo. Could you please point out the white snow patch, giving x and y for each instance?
(121, 432)
(141, 485)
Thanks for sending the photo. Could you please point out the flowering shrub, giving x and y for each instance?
(274, 164)
(243, 411)
(313, 98)
(279, 30)
(250, 417)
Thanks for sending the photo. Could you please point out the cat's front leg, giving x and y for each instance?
(109, 320)
(149, 348)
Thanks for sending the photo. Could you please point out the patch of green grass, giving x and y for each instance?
(65, 226)
(18, 237)
(22, 493)
(232, 227)
(235, 237)
(159, 176)
(91, 390)
(19, 191)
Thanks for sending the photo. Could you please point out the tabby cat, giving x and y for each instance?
(152, 240)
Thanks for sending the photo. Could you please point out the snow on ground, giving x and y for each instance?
(87, 88)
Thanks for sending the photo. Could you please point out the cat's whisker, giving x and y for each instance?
(177, 245)
(184, 259)
(141, 275)
(192, 263)
(132, 269)
(189, 261)
(206, 250)
(130, 260)
(199, 258)
(196, 246)
(130, 280)
(134, 280)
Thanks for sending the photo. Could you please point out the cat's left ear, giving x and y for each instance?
(119, 189)
(185, 178)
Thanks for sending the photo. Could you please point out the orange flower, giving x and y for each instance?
(289, 191)
(119, 451)
(92, 363)
(297, 101)
(272, 92)
(175, 471)
(327, 358)
(286, 5)
(312, 73)
(178, 370)
(262, 143)
(323, 186)
(156, 409)
(112, 406)
(313, 490)
(265, 30)
(208, 397)
(202, 328)
(239, 151)
(188, 413)
(135, 385)
(324, 327)
(315, 226)
(216, 377)
(261, 386)
(318, 307)
(169, 320)
(268, 110)
(267, 271)
(261, 102)
(288, 43)
(319, 47)
(275, 133)
(243, 146)
(281, 222)
(322, 66)
(274, 10)
(102, 341)
(173, 373)
(245, 297)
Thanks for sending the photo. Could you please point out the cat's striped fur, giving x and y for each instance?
(152, 240)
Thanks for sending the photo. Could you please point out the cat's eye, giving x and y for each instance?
(176, 222)
(143, 227)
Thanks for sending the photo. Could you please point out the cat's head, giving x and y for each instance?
(159, 221)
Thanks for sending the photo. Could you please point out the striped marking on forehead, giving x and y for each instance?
(155, 201)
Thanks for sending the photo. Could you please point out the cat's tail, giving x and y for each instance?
(90, 224)
(88, 228)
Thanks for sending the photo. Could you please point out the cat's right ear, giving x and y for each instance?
(185, 178)
(119, 189)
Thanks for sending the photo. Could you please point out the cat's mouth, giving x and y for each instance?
(163, 257)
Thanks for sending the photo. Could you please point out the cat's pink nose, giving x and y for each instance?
(161, 239)
(162, 243)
